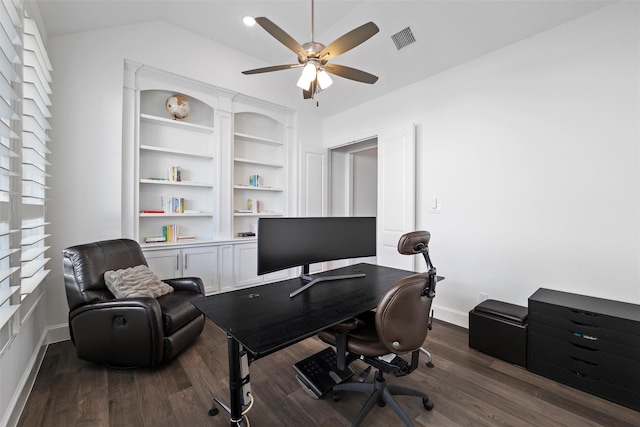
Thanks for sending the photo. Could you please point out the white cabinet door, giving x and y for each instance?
(226, 267)
(202, 262)
(246, 264)
(165, 263)
(199, 262)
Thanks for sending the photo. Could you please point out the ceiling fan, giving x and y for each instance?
(314, 57)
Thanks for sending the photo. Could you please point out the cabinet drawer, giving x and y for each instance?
(586, 362)
(594, 386)
(584, 318)
(592, 338)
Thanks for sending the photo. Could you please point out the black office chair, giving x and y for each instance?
(399, 326)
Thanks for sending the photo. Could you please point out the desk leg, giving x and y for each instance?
(235, 382)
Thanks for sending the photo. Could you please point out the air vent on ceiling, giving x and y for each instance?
(403, 38)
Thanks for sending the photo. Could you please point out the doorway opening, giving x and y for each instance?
(354, 179)
(353, 188)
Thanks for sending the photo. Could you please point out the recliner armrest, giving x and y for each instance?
(193, 284)
(119, 331)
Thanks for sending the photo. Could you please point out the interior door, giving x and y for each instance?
(396, 193)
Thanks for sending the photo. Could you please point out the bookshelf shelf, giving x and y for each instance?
(257, 214)
(175, 123)
(256, 138)
(258, 162)
(250, 188)
(175, 183)
(172, 215)
(164, 150)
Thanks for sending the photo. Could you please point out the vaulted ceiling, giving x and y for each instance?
(447, 32)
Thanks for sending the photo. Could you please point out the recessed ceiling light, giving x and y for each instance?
(249, 20)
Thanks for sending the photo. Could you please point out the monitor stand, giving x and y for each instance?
(313, 280)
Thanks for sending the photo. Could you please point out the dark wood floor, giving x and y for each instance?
(467, 387)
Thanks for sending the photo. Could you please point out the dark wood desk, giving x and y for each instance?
(263, 319)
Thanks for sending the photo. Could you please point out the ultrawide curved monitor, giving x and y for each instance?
(292, 242)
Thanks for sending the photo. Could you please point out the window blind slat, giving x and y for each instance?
(8, 47)
(7, 68)
(31, 28)
(34, 74)
(6, 91)
(30, 109)
(6, 11)
(6, 131)
(7, 112)
(29, 124)
(32, 60)
(13, 12)
(30, 92)
(29, 140)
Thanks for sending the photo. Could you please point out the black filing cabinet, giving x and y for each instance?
(588, 343)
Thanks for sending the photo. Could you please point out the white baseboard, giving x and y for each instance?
(448, 315)
(58, 333)
(26, 384)
(50, 335)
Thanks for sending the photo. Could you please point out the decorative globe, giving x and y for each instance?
(178, 106)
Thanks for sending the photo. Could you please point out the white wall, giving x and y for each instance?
(87, 123)
(533, 151)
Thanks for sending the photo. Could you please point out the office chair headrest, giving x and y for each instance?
(416, 242)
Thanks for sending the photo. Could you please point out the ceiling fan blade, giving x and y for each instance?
(351, 73)
(282, 36)
(272, 68)
(348, 41)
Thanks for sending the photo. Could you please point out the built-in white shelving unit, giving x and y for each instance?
(226, 138)
(260, 162)
(167, 143)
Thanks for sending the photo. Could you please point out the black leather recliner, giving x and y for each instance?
(126, 332)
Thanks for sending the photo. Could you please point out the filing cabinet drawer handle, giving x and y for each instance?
(586, 325)
(582, 347)
(586, 362)
(586, 313)
(581, 375)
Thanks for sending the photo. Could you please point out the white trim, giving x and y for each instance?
(449, 315)
(58, 333)
(21, 395)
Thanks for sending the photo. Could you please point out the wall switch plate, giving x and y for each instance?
(435, 207)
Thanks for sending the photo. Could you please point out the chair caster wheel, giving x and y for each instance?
(213, 412)
(336, 396)
(430, 365)
(428, 404)
(382, 403)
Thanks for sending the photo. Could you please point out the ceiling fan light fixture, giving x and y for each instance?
(249, 20)
(324, 80)
(308, 75)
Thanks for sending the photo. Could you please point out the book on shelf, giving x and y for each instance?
(172, 205)
(175, 173)
(155, 239)
(152, 211)
(187, 237)
(170, 232)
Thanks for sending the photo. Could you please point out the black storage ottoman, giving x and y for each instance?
(499, 329)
